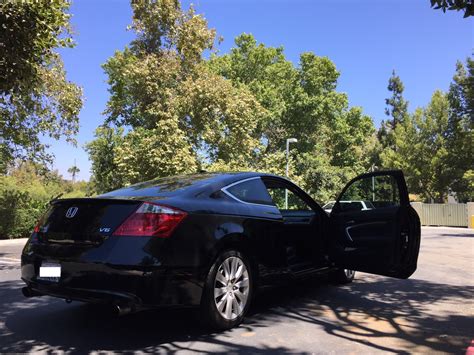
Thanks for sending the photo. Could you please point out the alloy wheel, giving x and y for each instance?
(231, 288)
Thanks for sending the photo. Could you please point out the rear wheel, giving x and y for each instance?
(342, 276)
(228, 291)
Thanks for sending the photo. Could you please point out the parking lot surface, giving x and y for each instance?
(433, 311)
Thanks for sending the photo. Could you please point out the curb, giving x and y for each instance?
(458, 229)
(13, 241)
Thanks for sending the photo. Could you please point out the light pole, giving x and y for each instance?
(288, 141)
(373, 181)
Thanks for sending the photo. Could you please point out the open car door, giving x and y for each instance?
(374, 228)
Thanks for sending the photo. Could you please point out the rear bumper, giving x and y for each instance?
(116, 284)
(84, 295)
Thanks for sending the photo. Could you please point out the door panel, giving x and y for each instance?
(300, 227)
(382, 237)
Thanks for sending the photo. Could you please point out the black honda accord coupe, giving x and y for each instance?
(212, 239)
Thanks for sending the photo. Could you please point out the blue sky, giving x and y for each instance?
(366, 39)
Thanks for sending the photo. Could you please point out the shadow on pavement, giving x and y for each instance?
(363, 312)
(457, 235)
(379, 314)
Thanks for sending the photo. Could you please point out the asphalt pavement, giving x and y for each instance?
(433, 311)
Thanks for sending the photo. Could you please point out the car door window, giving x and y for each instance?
(285, 199)
(251, 191)
(369, 193)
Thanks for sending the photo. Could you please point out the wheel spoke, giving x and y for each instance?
(218, 291)
(221, 278)
(242, 297)
(244, 283)
(236, 306)
(228, 308)
(225, 265)
(235, 265)
(239, 272)
(222, 302)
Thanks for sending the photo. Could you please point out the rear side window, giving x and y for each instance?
(251, 191)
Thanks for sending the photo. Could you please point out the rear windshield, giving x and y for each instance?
(162, 187)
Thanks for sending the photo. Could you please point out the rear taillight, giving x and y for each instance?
(151, 220)
(42, 220)
(38, 226)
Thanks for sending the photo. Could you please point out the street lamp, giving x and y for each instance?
(373, 181)
(288, 141)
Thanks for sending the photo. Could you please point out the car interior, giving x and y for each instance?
(302, 226)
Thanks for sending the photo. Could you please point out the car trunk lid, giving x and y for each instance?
(84, 220)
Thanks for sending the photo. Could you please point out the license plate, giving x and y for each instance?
(50, 271)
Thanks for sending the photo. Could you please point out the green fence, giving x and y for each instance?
(445, 214)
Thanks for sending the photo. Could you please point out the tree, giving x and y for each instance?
(147, 153)
(457, 5)
(300, 101)
(73, 170)
(35, 96)
(460, 132)
(232, 112)
(181, 114)
(422, 151)
(102, 152)
(397, 110)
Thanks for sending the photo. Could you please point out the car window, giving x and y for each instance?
(351, 205)
(373, 191)
(251, 191)
(328, 205)
(292, 202)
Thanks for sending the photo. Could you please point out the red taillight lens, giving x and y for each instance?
(151, 220)
(38, 226)
(42, 220)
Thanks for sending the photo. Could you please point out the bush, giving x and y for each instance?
(25, 195)
(18, 213)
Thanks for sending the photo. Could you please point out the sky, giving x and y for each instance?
(366, 39)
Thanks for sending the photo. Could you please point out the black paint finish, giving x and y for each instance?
(151, 271)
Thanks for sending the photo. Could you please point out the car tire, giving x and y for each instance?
(227, 292)
(342, 276)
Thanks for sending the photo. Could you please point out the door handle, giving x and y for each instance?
(351, 221)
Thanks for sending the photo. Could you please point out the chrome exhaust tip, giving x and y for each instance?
(28, 292)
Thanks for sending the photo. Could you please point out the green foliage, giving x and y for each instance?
(35, 97)
(457, 5)
(231, 112)
(105, 173)
(24, 195)
(397, 107)
(301, 102)
(424, 153)
(73, 170)
(435, 145)
(148, 153)
(171, 111)
(181, 114)
(397, 110)
(460, 131)
(19, 212)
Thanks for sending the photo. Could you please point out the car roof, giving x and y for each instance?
(183, 184)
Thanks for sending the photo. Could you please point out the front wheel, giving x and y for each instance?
(228, 290)
(342, 276)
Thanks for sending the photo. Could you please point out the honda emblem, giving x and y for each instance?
(71, 212)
